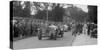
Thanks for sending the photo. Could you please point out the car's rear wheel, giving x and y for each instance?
(51, 36)
(62, 35)
(55, 36)
(40, 36)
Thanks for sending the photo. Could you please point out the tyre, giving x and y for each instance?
(61, 35)
(51, 36)
(55, 36)
(40, 36)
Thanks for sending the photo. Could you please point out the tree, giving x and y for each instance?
(26, 10)
(18, 9)
(76, 13)
(58, 13)
(39, 10)
(92, 14)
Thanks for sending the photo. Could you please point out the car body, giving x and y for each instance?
(48, 31)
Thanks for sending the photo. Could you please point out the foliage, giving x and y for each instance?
(76, 14)
(92, 14)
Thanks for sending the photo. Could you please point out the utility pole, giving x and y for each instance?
(47, 14)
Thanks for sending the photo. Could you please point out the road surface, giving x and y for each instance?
(87, 40)
(33, 42)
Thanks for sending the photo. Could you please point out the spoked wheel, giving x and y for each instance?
(51, 36)
(55, 36)
(62, 35)
(40, 36)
